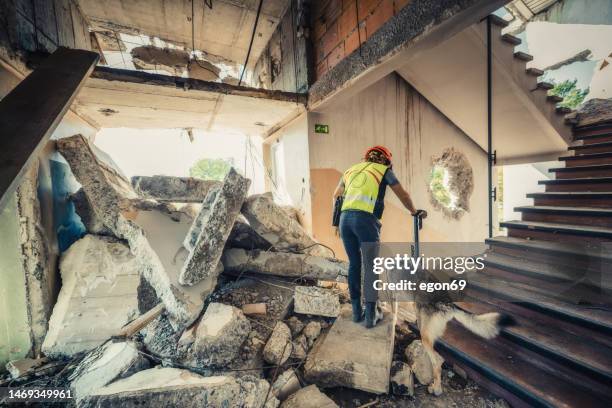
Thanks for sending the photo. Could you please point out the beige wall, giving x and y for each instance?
(393, 114)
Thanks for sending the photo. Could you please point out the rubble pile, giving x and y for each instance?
(186, 292)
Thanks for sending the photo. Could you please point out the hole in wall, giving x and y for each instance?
(450, 183)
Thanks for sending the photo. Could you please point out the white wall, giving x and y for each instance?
(290, 165)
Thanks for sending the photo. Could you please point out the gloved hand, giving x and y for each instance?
(420, 213)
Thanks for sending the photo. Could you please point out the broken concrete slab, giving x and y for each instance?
(283, 264)
(173, 189)
(216, 226)
(300, 347)
(151, 58)
(111, 195)
(255, 392)
(244, 236)
(419, 362)
(104, 364)
(196, 227)
(219, 336)
(593, 111)
(402, 381)
(279, 228)
(99, 284)
(285, 385)
(93, 224)
(365, 365)
(312, 300)
(309, 397)
(278, 348)
(167, 387)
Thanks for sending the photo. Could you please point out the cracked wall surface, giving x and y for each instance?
(460, 183)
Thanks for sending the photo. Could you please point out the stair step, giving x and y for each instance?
(534, 71)
(592, 148)
(523, 56)
(579, 255)
(600, 170)
(573, 199)
(559, 249)
(601, 184)
(567, 215)
(509, 38)
(528, 378)
(585, 132)
(532, 268)
(498, 21)
(592, 354)
(537, 294)
(547, 86)
(557, 232)
(554, 98)
(587, 159)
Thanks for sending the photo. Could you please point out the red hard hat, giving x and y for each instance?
(382, 149)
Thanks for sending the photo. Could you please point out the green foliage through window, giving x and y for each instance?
(571, 94)
(439, 185)
(211, 169)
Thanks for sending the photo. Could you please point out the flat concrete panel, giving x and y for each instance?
(225, 30)
(118, 98)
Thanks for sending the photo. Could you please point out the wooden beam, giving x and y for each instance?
(141, 321)
(30, 113)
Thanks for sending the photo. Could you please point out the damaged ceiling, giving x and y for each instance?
(118, 98)
(223, 30)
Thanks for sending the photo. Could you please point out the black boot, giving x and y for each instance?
(372, 314)
(357, 310)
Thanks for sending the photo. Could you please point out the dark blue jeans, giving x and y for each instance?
(356, 228)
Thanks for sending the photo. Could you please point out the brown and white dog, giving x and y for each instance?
(434, 311)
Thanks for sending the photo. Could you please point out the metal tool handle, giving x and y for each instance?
(418, 225)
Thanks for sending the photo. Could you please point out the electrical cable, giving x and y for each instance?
(251, 43)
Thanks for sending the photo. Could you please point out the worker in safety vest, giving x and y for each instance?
(363, 189)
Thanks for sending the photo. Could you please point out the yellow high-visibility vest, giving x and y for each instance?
(361, 184)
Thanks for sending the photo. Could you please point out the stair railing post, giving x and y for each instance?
(490, 154)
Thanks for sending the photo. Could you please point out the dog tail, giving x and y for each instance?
(487, 325)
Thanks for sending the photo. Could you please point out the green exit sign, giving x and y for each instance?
(321, 128)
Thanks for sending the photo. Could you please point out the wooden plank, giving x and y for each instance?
(141, 322)
(46, 24)
(30, 113)
(64, 23)
(81, 33)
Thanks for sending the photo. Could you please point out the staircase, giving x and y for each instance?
(560, 352)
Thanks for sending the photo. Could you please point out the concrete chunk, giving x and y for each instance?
(285, 385)
(166, 387)
(419, 362)
(309, 397)
(196, 227)
(283, 264)
(278, 348)
(216, 226)
(316, 301)
(219, 335)
(365, 365)
(105, 364)
(111, 197)
(402, 381)
(99, 284)
(279, 228)
(174, 189)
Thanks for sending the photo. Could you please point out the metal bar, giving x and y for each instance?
(490, 124)
(30, 113)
